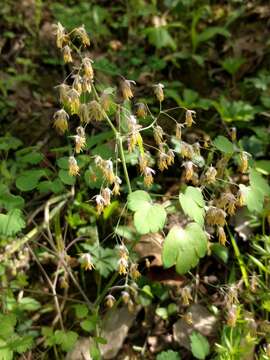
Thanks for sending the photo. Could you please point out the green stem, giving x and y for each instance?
(239, 258)
(122, 155)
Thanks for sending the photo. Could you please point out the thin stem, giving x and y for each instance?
(239, 258)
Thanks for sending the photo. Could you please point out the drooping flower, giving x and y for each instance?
(141, 110)
(86, 261)
(73, 166)
(80, 140)
(148, 176)
(158, 91)
(61, 121)
(82, 34)
(189, 117)
(126, 89)
(88, 68)
(67, 54)
(109, 301)
(96, 112)
(210, 175)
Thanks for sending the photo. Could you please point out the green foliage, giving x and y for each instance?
(223, 144)
(11, 223)
(148, 217)
(192, 203)
(199, 345)
(104, 260)
(184, 247)
(168, 355)
(255, 194)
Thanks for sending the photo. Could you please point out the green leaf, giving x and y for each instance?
(232, 64)
(93, 177)
(138, 199)
(223, 144)
(9, 142)
(29, 304)
(221, 252)
(29, 179)
(87, 325)
(160, 37)
(66, 339)
(21, 344)
(259, 183)
(9, 201)
(151, 218)
(5, 352)
(210, 32)
(32, 158)
(168, 355)
(199, 345)
(8, 322)
(55, 186)
(11, 223)
(66, 178)
(192, 203)
(184, 247)
(162, 312)
(253, 198)
(104, 259)
(81, 310)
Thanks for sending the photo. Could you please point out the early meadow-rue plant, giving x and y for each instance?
(140, 140)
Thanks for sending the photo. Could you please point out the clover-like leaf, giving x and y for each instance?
(11, 223)
(199, 345)
(184, 247)
(223, 144)
(138, 199)
(150, 218)
(192, 203)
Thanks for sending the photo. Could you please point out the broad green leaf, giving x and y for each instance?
(221, 252)
(9, 142)
(138, 199)
(223, 144)
(199, 345)
(62, 162)
(29, 179)
(66, 339)
(162, 312)
(168, 355)
(5, 352)
(184, 247)
(9, 201)
(87, 325)
(93, 177)
(11, 223)
(33, 158)
(56, 186)
(28, 304)
(253, 198)
(81, 310)
(192, 203)
(66, 178)
(150, 218)
(160, 37)
(259, 183)
(8, 323)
